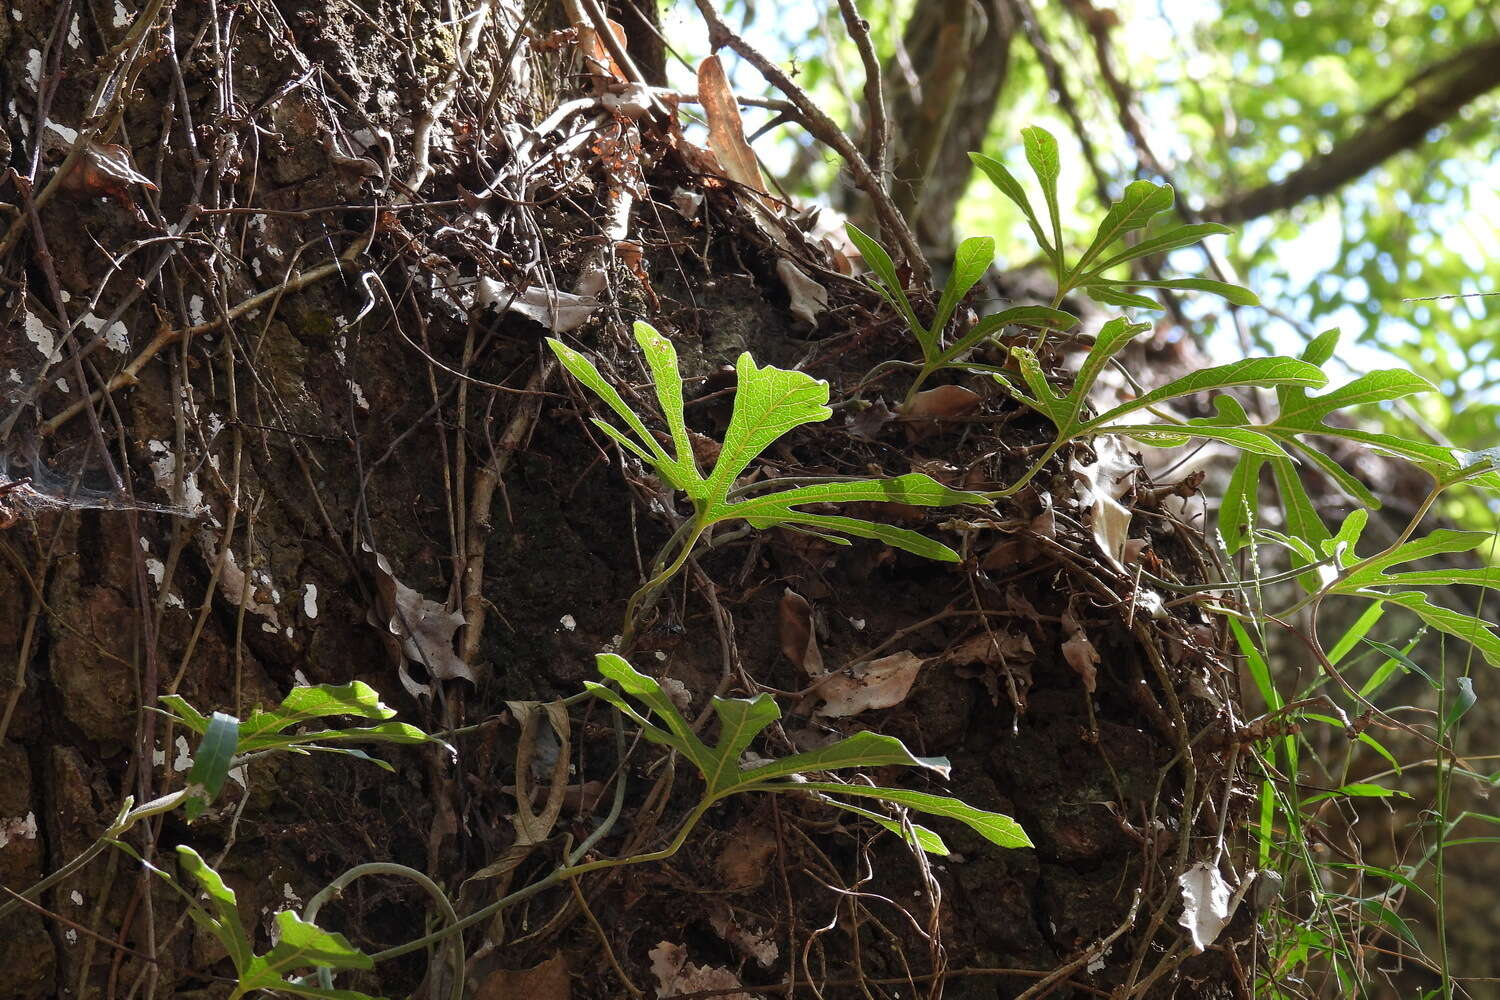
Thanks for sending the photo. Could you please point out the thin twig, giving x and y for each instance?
(880, 129)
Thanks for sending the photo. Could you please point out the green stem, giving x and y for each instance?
(558, 875)
(694, 531)
(1036, 467)
(337, 886)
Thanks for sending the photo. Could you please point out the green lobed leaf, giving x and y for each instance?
(888, 282)
(1111, 339)
(1488, 577)
(300, 945)
(1003, 179)
(1319, 350)
(645, 445)
(1111, 295)
(740, 721)
(1346, 479)
(901, 538)
(1141, 201)
(211, 763)
(1176, 435)
(1441, 541)
(1251, 371)
(1307, 411)
(1344, 540)
(222, 919)
(1301, 520)
(661, 358)
(1172, 239)
(994, 827)
(648, 691)
(768, 402)
(1046, 163)
(1476, 631)
(1040, 317)
(1240, 505)
(315, 702)
(387, 732)
(921, 837)
(913, 488)
(185, 713)
(863, 749)
(973, 258)
(1236, 294)
(1043, 396)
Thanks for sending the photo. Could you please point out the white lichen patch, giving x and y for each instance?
(18, 828)
(122, 16)
(115, 336)
(235, 586)
(184, 759)
(70, 136)
(310, 600)
(41, 337)
(164, 471)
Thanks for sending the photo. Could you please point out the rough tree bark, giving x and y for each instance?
(284, 270)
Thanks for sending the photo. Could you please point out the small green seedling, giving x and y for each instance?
(299, 944)
(742, 719)
(226, 741)
(1090, 273)
(969, 264)
(1068, 411)
(768, 402)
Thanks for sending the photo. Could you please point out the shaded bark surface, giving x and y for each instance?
(358, 413)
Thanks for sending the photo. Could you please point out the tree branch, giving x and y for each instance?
(1460, 80)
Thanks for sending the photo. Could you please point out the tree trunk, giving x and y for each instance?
(295, 244)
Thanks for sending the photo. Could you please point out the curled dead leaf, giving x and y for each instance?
(752, 943)
(675, 974)
(726, 130)
(808, 298)
(877, 684)
(799, 639)
(104, 170)
(944, 402)
(546, 981)
(416, 630)
(1080, 652)
(867, 423)
(744, 860)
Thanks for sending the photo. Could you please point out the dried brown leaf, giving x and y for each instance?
(878, 684)
(808, 298)
(419, 629)
(105, 171)
(744, 860)
(1080, 653)
(726, 131)
(546, 981)
(868, 422)
(944, 402)
(675, 974)
(799, 638)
